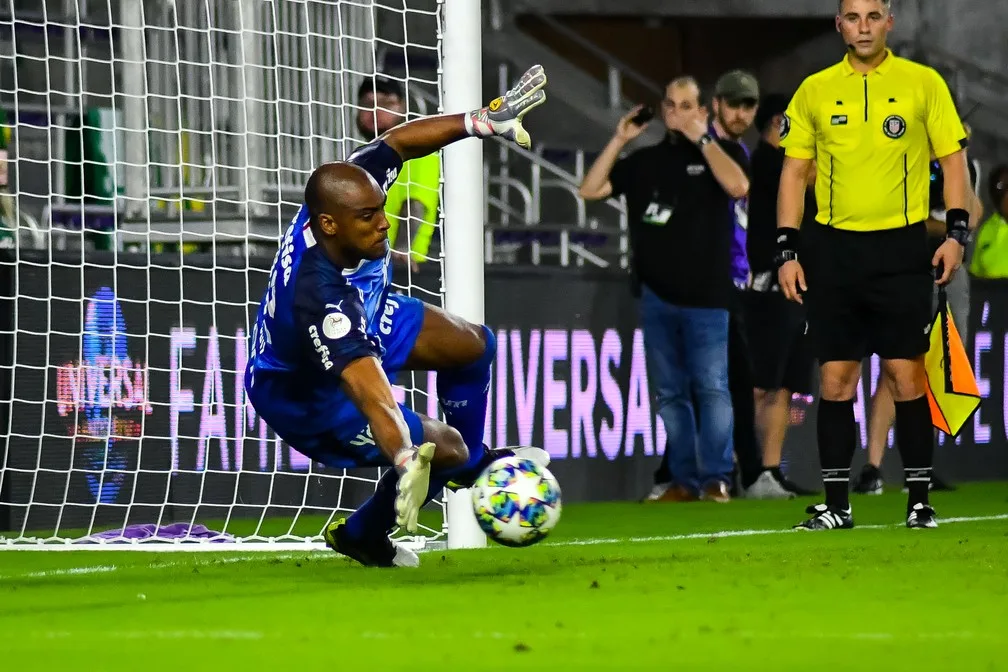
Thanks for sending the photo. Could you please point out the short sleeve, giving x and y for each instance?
(380, 160)
(944, 128)
(797, 130)
(332, 323)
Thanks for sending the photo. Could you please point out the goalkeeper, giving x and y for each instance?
(329, 335)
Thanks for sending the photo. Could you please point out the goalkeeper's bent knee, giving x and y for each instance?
(481, 366)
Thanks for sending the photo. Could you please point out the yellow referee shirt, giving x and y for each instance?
(419, 179)
(871, 137)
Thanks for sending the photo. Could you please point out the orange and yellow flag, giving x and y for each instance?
(952, 388)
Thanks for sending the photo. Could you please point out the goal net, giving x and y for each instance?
(155, 151)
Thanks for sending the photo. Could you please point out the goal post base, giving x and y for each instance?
(462, 529)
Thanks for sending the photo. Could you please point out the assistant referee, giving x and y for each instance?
(869, 124)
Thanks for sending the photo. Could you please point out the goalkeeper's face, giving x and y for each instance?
(349, 209)
(361, 227)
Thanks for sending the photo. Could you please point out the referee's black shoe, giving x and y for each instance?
(826, 518)
(921, 516)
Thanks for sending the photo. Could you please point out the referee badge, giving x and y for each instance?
(785, 126)
(894, 126)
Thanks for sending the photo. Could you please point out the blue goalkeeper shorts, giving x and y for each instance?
(347, 442)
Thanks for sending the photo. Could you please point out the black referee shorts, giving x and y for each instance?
(778, 346)
(868, 292)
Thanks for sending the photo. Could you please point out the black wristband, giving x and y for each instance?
(957, 225)
(788, 242)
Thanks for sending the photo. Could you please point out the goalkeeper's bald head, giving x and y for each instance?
(346, 212)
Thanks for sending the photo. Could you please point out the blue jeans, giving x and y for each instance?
(687, 361)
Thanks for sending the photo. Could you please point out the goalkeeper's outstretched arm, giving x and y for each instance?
(367, 386)
(503, 117)
(369, 389)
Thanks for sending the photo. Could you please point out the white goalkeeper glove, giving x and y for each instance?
(503, 116)
(414, 480)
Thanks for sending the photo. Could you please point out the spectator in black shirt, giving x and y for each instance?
(775, 327)
(736, 99)
(678, 194)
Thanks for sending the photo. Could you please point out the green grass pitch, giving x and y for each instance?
(617, 586)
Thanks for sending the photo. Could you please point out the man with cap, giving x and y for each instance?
(736, 100)
(678, 194)
(412, 202)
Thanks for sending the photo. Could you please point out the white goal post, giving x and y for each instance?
(162, 147)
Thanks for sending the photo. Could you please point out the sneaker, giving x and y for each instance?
(657, 492)
(795, 489)
(716, 492)
(680, 493)
(370, 553)
(921, 516)
(869, 481)
(826, 518)
(768, 487)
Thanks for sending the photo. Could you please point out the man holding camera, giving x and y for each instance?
(678, 194)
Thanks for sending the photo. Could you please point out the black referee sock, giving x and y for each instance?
(915, 440)
(837, 435)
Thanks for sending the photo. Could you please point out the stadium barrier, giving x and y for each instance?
(570, 367)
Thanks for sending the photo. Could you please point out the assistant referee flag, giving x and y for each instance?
(952, 388)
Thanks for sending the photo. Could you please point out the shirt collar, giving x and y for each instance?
(882, 68)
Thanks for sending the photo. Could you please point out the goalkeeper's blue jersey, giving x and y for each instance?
(314, 319)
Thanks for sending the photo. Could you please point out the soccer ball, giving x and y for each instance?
(517, 502)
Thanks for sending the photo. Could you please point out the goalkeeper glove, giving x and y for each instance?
(414, 480)
(503, 116)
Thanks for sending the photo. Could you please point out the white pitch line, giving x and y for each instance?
(228, 560)
(100, 569)
(746, 533)
(97, 569)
